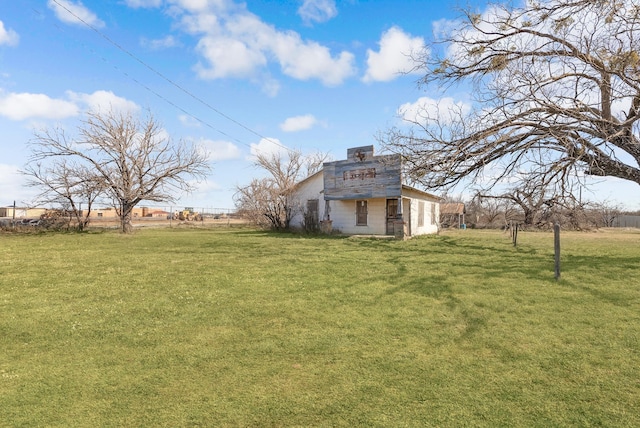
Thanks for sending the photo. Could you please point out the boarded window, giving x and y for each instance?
(361, 213)
(312, 215)
(433, 213)
(420, 213)
(392, 208)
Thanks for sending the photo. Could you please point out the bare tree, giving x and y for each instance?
(487, 212)
(605, 213)
(452, 211)
(67, 185)
(531, 198)
(269, 201)
(556, 90)
(262, 204)
(127, 159)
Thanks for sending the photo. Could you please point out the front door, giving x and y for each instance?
(392, 214)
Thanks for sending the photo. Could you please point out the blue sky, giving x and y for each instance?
(313, 75)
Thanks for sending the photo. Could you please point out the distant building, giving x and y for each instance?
(107, 213)
(452, 215)
(158, 214)
(365, 195)
(110, 212)
(21, 212)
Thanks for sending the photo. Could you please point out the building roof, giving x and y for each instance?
(452, 208)
(299, 183)
(427, 194)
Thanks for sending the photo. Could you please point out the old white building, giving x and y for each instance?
(365, 195)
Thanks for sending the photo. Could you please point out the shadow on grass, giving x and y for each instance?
(433, 286)
(505, 247)
(439, 287)
(613, 298)
(606, 266)
(600, 263)
(288, 235)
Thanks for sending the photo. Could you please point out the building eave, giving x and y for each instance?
(422, 192)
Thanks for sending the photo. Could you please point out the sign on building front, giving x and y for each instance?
(363, 176)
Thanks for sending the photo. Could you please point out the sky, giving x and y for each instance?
(237, 78)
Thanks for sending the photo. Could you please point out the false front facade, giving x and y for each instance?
(365, 195)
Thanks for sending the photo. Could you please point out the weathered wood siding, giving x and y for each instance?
(363, 176)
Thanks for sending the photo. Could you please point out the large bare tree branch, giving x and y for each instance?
(556, 89)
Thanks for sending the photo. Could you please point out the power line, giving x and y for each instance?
(171, 82)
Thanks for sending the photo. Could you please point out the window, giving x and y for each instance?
(420, 213)
(312, 215)
(433, 213)
(361, 213)
(392, 208)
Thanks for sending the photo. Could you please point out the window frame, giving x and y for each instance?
(421, 212)
(362, 212)
(434, 220)
(313, 207)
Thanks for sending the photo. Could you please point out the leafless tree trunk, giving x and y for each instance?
(269, 201)
(67, 185)
(129, 160)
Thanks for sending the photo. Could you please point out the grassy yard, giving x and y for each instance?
(235, 327)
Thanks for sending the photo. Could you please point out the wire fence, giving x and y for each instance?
(13, 216)
(177, 210)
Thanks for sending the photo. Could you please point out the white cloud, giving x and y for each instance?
(310, 60)
(268, 146)
(158, 44)
(228, 57)
(394, 57)
(8, 36)
(236, 43)
(104, 101)
(21, 106)
(12, 186)
(444, 27)
(189, 121)
(219, 150)
(74, 13)
(202, 189)
(143, 3)
(298, 123)
(424, 109)
(317, 10)
(195, 6)
(270, 86)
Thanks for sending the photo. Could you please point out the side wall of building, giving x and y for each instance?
(424, 215)
(309, 189)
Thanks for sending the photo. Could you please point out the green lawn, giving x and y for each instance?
(235, 327)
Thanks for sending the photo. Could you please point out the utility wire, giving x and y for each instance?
(171, 82)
